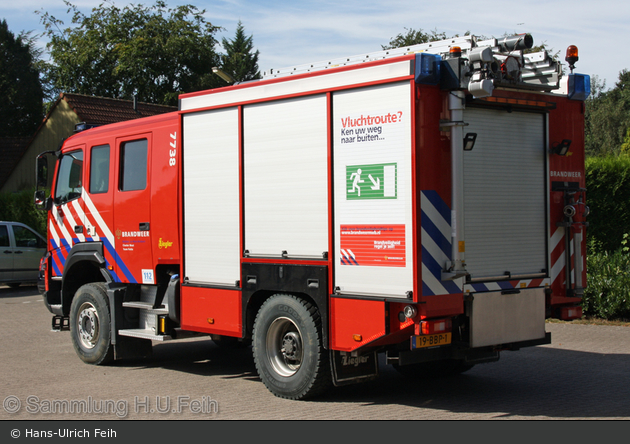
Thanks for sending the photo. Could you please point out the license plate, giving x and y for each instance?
(430, 340)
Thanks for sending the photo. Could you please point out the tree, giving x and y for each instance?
(153, 52)
(608, 116)
(543, 47)
(413, 37)
(239, 61)
(625, 146)
(20, 88)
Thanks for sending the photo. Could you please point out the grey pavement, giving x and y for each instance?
(583, 374)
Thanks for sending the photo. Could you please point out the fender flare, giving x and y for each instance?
(82, 252)
(88, 251)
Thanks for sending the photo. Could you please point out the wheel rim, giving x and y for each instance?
(88, 325)
(284, 346)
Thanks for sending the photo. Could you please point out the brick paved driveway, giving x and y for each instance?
(583, 374)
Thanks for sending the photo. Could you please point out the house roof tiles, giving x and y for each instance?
(102, 110)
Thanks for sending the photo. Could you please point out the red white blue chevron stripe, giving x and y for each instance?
(63, 237)
(436, 245)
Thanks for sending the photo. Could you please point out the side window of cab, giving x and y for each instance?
(133, 165)
(99, 169)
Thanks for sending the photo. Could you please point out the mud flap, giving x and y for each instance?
(132, 348)
(350, 368)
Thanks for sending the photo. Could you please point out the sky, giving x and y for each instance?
(295, 32)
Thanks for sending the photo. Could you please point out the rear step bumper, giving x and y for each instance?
(469, 355)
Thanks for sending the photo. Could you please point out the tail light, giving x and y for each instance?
(429, 327)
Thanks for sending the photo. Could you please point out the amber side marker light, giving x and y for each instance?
(357, 338)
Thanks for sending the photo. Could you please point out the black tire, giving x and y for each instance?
(287, 348)
(90, 324)
(434, 369)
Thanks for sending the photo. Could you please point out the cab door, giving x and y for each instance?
(99, 198)
(132, 205)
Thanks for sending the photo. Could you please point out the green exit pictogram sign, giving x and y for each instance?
(374, 181)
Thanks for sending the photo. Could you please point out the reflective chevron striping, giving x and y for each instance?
(63, 237)
(436, 245)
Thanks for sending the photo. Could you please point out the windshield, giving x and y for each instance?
(69, 180)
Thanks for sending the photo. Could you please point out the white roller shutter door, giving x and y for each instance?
(504, 194)
(211, 197)
(286, 177)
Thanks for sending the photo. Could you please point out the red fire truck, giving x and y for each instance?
(426, 203)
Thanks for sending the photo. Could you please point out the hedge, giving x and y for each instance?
(608, 196)
(19, 207)
(607, 294)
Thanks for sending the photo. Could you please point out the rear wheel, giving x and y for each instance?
(287, 347)
(90, 324)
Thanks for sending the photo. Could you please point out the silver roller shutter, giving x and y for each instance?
(504, 194)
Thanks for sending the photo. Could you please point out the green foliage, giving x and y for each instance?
(555, 55)
(240, 61)
(607, 294)
(153, 52)
(414, 37)
(20, 88)
(607, 116)
(20, 207)
(608, 196)
(625, 146)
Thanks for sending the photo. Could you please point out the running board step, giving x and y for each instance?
(145, 306)
(144, 334)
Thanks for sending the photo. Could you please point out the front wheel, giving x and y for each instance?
(287, 347)
(90, 324)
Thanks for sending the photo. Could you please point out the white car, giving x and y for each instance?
(21, 249)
